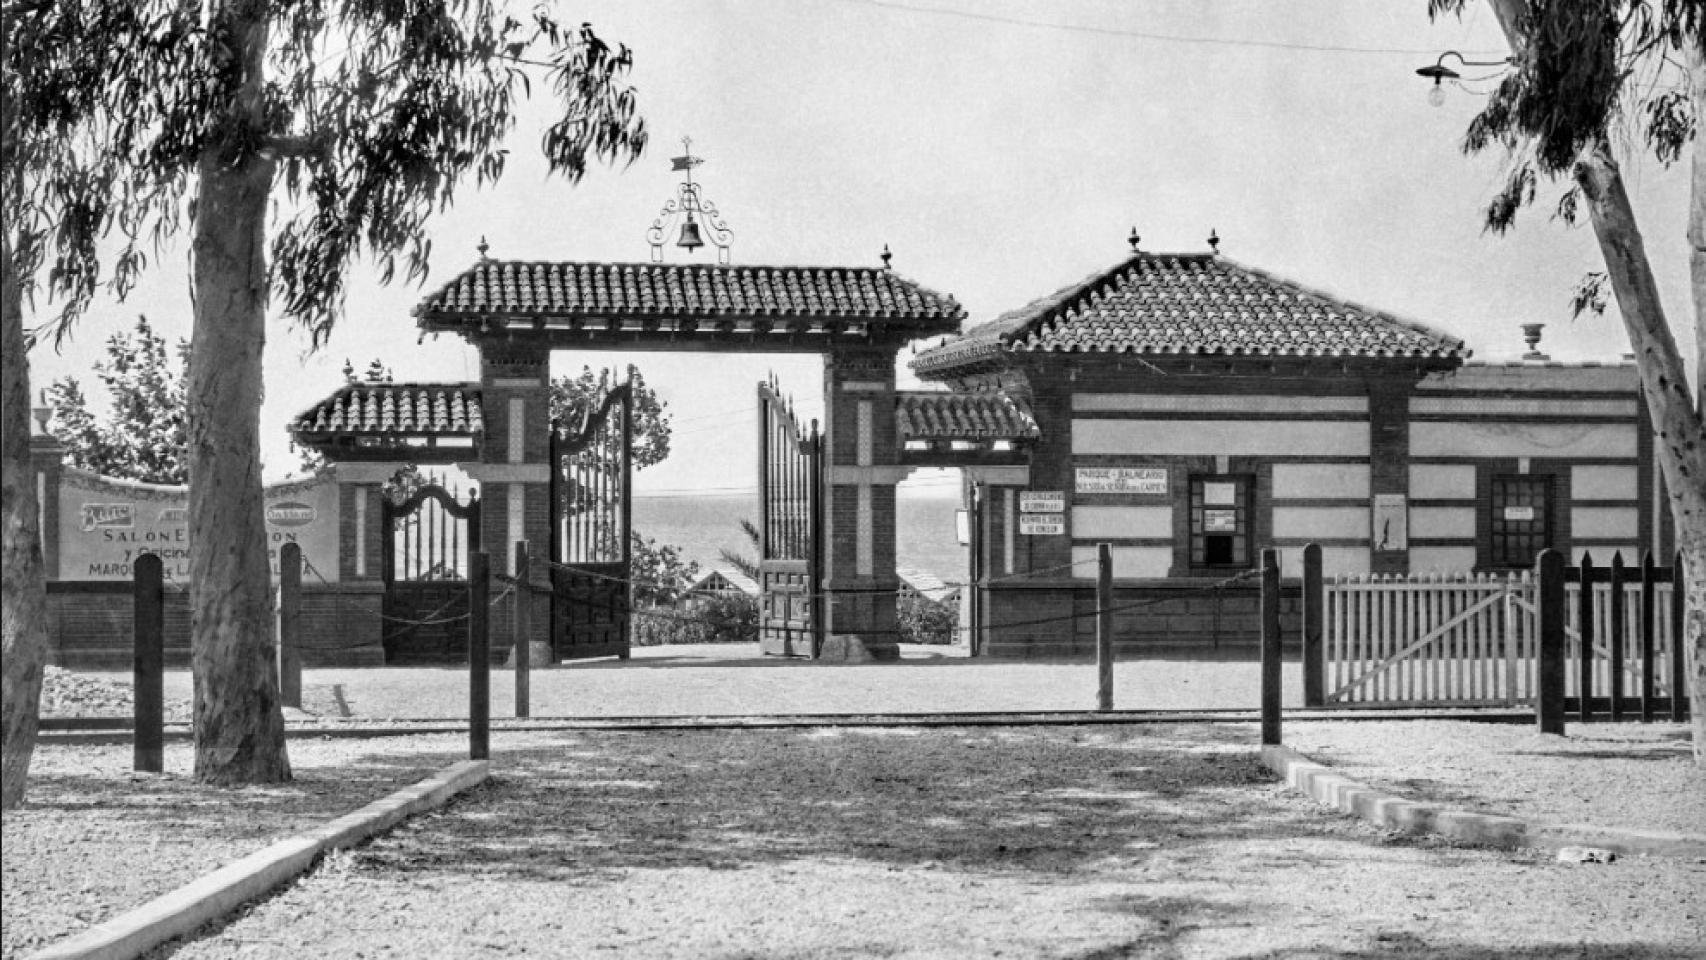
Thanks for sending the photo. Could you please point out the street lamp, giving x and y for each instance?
(1438, 71)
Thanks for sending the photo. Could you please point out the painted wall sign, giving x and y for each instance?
(1042, 524)
(1391, 522)
(1149, 481)
(105, 525)
(1042, 501)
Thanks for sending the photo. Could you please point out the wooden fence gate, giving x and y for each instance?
(1472, 639)
(428, 540)
(591, 529)
(790, 508)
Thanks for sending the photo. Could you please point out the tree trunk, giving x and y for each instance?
(239, 726)
(23, 590)
(1681, 442)
(1696, 558)
(239, 723)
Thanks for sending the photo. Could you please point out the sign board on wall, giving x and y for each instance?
(1042, 501)
(1042, 524)
(104, 526)
(1148, 481)
(1391, 522)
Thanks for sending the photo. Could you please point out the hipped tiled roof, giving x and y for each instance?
(925, 415)
(1157, 303)
(683, 291)
(396, 409)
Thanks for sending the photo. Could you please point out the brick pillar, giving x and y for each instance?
(859, 516)
(1389, 471)
(514, 473)
(47, 463)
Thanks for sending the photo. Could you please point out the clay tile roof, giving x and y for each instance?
(927, 415)
(395, 409)
(567, 289)
(1190, 304)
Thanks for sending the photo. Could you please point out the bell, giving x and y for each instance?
(690, 239)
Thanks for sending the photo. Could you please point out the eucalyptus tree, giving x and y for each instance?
(293, 140)
(1585, 76)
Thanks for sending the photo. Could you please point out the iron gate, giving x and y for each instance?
(790, 491)
(591, 530)
(428, 540)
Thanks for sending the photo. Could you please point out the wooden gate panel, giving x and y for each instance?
(592, 530)
(790, 506)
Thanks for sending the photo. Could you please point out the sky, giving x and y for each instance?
(1001, 150)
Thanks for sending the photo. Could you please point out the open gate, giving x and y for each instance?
(428, 540)
(790, 498)
(591, 530)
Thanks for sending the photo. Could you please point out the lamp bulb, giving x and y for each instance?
(1436, 96)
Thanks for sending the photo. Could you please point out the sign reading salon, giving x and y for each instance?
(104, 525)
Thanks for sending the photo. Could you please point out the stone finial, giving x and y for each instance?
(1531, 336)
(483, 247)
(1134, 239)
(886, 256)
(1213, 240)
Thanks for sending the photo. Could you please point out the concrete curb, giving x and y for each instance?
(1319, 782)
(134, 932)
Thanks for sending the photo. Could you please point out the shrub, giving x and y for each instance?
(720, 618)
(922, 620)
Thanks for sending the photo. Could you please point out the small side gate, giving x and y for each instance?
(428, 539)
(591, 530)
(1437, 640)
(790, 490)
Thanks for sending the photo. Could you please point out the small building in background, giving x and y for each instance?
(1191, 410)
(719, 583)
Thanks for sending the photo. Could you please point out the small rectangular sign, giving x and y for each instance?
(1042, 524)
(962, 527)
(1220, 521)
(1148, 481)
(1391, 522)
(1042, 501)
(1525, 514)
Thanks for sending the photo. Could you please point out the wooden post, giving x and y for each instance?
(1104, 627)
(1549, 697)
(523, 632)
(1649, 594)
(1270, 647)
(1314, 610)
(149, 663)
(1616, 652)
(1678, 665)
(479, 657)
(290, 625)
(1584, 663)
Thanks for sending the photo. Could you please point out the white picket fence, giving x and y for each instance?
(1469, 639)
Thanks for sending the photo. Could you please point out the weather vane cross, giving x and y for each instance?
(701, 216)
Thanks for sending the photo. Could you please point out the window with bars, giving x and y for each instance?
(1521, 522)
(1220, 521)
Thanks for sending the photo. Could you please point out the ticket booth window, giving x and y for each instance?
(1521, 521)
(1220, 521)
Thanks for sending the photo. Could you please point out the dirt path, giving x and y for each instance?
(1036, 842)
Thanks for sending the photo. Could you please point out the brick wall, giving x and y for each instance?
(90, 626)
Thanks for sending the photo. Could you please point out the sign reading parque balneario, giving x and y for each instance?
(1148, 481)
(104, 525)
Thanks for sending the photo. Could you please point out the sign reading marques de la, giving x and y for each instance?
(105, 525)
(1148, 481)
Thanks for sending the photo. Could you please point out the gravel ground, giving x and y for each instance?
(1628, 775)
(733, 679)
(95, 839)
(1038, 842)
